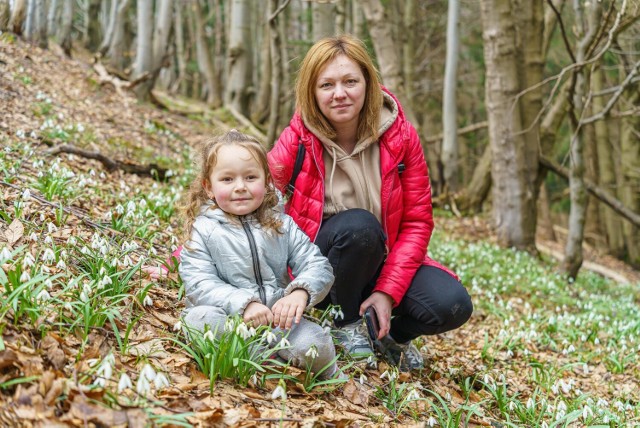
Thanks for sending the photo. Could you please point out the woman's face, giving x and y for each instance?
(340, 92)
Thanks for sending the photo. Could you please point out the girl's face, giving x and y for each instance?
(237, 182)
(340, 91)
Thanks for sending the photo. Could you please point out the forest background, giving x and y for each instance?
(528, 112)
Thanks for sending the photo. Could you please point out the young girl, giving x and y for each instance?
(238, 250)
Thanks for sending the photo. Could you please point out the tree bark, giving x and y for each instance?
(578, 195)
(18, 15)
(162, 30)
(66, 22)
(205, 65)
(476, 192)
(118, 41)
(324, 17)
(5, 15)
(239, 58)
(276, 71)
(449, 109)
(606, 170)
(144, 49)
(178, 84)
(93, 27)
(630, 183)
(514, 190)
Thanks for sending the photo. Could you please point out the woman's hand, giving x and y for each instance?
(289, 309)
(257, 314)
(383, 303)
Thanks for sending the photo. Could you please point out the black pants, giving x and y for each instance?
(354, 243)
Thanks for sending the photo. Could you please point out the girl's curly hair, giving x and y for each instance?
(197, 196)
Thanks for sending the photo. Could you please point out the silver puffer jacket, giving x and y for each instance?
(229, 264)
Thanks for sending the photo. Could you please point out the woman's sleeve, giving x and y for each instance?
(416, 223)
(202, 283)
(312, 270)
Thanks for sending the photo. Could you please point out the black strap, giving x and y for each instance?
(296, 169)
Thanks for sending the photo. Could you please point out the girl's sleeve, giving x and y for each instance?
(311, 270)
(202, 283)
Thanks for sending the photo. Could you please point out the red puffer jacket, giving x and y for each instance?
(407, 216)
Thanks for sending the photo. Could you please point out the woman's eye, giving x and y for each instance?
(351, 82)
(325, 85)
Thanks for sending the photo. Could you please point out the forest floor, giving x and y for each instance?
(536, 351)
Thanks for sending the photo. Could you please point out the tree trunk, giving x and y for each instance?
(219, 52)
(261, 110)
(144, 50)
(476, 192)
(324, 17)
(93, 26)
(606, 170)
(449, 108)
(41, 24)
(386, 50)
(239, 58)
(162, 29)
(18, 14)
(52, 19)
(30, 22)
(118, 41)
(5, 14)
(545, 223)
(514, 189)
(276, 69)
(204, 58)
(630, 186)
(66, 23)
(108, 36)
(408, 47)
(578, 193)
(178, 84)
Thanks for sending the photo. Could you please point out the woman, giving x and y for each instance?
(363, 196)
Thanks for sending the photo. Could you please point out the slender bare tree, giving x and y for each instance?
(18, 15)
(5, 14)
(239, 58)
(449, 108)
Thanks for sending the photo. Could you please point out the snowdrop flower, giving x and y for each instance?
(83, 297)
(284, 343)
(432, 421)
(28, 261)
(106, 280)
(20, 133)
(148, 372)
(371, 361)
(48, 283)
(48, 240)
(100, 382)
(413, 395)
(61, 265)
(229, 324)
(177, 326)
(124, 383)
(71, 240)
(131, 206)
(148, 301)
(362, 379)
(5, 255)
(270, 337)
(208, 335)
(43, 296)
(312, 352)
(51, 227)
(26, 195)
(143, 386)
(33, 237)
(160, 381)
(25, 276)
(48, 256)
(586, 412)
(119, 209)
(530, 403)
(279, 392)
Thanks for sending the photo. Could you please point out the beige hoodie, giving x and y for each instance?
(353, 180)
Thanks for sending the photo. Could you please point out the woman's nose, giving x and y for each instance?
(339, 92)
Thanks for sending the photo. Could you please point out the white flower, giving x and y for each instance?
(284, 343)
(413, 395)
(124, 383)
(177, 326)
(26, 195)
(362, 379)
(160, 381)
(51, 227)
(279, 392)
(270, 336)
(339, 314)
(25, 276)
(28, 261)
(148, 301)
(312, 352)
(143, 386)
(48, 256)
(48, 240)
(43, 296)
(83, 297)
(5, 255)
(432, 421)
(208, 335)
(148, 372)
(586, 412)
(243, 331)
(61, 265)
(100, 381)
(131, 206)
(71, 240)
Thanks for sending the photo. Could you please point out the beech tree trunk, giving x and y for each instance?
(239, 58)
(324, 18)
(144, 48)
(118, 40)
(630, 168)
(606, 170)
(449, 109)
(18, 15)
(5, 15)
(66, 23)
(205, 64)
(514, 167)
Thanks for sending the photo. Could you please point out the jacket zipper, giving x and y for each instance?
(254, 258)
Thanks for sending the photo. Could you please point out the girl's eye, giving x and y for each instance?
(226, 179)
(252, 177)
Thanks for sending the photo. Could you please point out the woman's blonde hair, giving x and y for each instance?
(197, 196)
(321, 53)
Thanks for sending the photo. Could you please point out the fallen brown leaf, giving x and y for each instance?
(356, 393)
(14, 232)
(53, 352)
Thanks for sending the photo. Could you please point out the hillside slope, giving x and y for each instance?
(77, 313)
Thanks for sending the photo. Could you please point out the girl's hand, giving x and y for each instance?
(289, 309)
(383, 303)
(257, 314)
